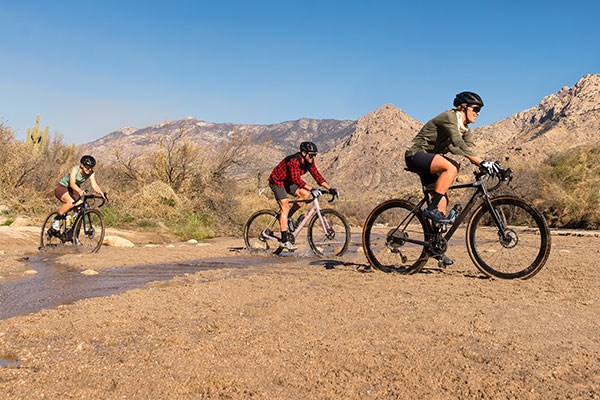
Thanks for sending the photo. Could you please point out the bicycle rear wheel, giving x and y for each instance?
(260, 229)
(522, 252)
(89, 231)
(332, 239)
(50, 239)
(395, 238)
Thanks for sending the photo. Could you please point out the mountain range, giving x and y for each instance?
(368, 153)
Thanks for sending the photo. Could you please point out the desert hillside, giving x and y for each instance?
(368, 153)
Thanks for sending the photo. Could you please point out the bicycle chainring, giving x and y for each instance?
(439, 246)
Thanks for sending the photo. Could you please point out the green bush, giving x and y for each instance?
(192, 226)
(567, 188)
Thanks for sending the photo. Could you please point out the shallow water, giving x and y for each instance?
(56, 284)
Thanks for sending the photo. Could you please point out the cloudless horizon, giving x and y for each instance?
(89, 68)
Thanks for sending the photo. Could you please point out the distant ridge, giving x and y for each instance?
(368, 153)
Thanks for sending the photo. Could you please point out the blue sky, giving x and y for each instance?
(91, 67)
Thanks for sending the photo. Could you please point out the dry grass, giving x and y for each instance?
(197, 195)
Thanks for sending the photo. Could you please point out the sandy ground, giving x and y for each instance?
(307, 328)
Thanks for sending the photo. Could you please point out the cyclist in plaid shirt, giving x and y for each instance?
(286, 178)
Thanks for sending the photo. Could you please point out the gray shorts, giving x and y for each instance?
(282, 193)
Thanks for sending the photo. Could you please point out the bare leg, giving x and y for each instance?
(284, 210)
(68, 203)
(448, 174)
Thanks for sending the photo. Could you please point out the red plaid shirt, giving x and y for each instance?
(290, 170)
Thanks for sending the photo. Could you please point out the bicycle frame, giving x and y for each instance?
(81, 210)
(316, 209)
(481, 192)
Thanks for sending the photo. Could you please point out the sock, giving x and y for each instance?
(435, 200)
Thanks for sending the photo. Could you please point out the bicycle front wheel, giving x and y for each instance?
(521, 251)
(89, 231)
(395, 237)
(259, 231)
(331, 236)
(50, 239)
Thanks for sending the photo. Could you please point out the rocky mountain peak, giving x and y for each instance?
(127, 130)
(567, 118)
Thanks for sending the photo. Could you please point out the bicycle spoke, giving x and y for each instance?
(389, 237)
(519, 250)
(48, 238)
(89, 231)
(331, 236)
(261, 232)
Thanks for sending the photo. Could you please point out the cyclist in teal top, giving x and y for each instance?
(69, 189)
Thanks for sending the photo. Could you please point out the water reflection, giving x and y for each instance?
(56, 284)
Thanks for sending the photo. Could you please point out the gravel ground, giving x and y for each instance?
(300, 327)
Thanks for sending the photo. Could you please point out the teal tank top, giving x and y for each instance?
(79, 178)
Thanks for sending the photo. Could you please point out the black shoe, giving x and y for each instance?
(443, 260)
(53, 232)
(436, 216)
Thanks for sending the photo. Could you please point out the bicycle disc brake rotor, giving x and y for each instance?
(396, 239)
(330, 234)
(509, 239)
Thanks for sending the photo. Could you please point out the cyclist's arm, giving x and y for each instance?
(95, 184)
(318, 177)
(475, 160)
(73, 182)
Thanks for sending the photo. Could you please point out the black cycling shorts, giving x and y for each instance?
(420, 163)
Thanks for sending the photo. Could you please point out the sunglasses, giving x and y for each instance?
(311, 155)
(476, 109)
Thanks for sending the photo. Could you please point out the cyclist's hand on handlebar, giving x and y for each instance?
(490, 167)
(316, 193)
(105, 196)
(334, 192)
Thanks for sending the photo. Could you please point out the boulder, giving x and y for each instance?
(22, 221)
(117, 241)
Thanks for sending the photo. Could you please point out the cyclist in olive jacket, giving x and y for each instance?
(449, 132)
(286, 178)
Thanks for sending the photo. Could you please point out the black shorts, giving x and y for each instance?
(281, 193)
(420, 164)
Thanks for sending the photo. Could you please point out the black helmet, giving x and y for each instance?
(308, 147)
(468, 98)
(88, 161)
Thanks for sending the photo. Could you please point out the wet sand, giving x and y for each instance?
(310, 328)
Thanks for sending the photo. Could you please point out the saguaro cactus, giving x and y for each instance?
(35, 137)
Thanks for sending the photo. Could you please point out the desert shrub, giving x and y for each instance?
(183, 186)
(29, 174)
(566, 187)
(191, 225)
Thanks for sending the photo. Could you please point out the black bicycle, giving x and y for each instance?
(328, 230)
(506, 236)
(82, 226)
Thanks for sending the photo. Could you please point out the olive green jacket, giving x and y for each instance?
(442, 135)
